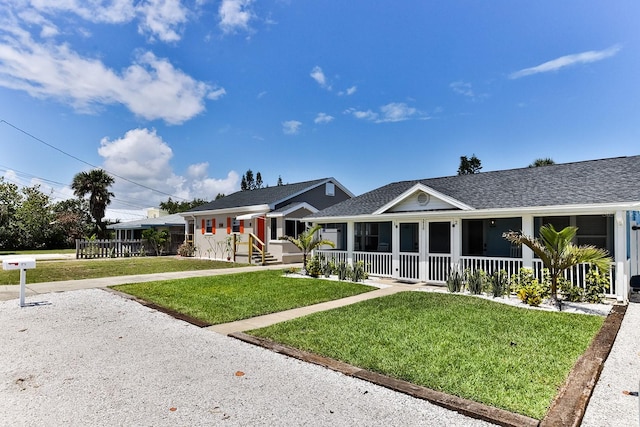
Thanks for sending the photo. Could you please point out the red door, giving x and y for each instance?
(261, 220)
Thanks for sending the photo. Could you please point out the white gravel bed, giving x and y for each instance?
(615, 400)
(90, 357)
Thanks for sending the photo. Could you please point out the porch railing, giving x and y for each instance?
(577, 276)
(490, 264)
(410, 265)
(375, 263)
(438, 268)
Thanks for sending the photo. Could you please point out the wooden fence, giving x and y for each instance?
(86, 249)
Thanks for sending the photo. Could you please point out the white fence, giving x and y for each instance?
(109, 248)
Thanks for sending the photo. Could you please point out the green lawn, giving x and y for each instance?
(508, 357)
(221, 299)
(53, 271)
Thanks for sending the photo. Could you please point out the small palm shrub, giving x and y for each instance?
(343, 270)
(314, 266)
(476, 281)
(499, 282)
(358, 273)
(455, 281)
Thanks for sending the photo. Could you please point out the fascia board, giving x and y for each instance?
(421, 187)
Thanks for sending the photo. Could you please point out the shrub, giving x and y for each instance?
(573, 293)
(525, 277)
(531, 294)
(314, 266)
(455, 282)
(596, 284)
(186, 249)
(343, 271)
(499, 281)
(328, 268)
(358, 274)
(476, 281)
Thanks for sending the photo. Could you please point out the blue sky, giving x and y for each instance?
(183, 97)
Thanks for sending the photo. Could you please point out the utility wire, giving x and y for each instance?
(86, 163)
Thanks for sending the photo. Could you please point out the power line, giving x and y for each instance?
(85, 162)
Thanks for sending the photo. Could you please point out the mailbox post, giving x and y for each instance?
(22, 264)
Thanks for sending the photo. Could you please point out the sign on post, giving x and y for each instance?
(22, 264)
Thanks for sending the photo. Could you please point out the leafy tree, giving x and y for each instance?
(157, 239)
(258, 183)
(542, 162)
(72, 221)
(243, 184)
(35, 218)
(95, 183)
(307, 241)
(279, 181)
(10, 200)
(219, 196)
(249, 183)
(558, 253)
(469, 166)
(173, 207)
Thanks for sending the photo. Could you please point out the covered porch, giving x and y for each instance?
(425, 249)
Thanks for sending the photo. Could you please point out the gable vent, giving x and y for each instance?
(423, 199)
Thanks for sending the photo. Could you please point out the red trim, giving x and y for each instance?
(213, 225)
(241, 226)
(228, 225)
(202, 226)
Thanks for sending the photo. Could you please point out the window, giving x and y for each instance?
(209, 226)
(330, 189)
(293, 228)
(596, 230)
(439, 238)
(235, 226)
(373, 236)
(409, 239)
(274, 228)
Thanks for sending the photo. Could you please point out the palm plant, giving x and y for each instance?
(558, 253)
(96, 184)
(307, 241)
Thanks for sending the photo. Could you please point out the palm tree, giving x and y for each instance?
(307, 241)
(558, 253)
(96, 184)
(542, 162)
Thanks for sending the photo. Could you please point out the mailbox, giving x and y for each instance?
(22, 264)
(18, 263)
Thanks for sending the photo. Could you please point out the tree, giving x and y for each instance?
(35, 218)
(157, 239)
(469, 166)
(10, 201)
(249, 183)
(95, 183)
(258, 181)
(542, 162)
(279, 181)
(72, 221)
(219, 196)
(173, 207)
(307, 241)
(558, 253)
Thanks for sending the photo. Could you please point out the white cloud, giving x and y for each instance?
(162, 18)
(392, 112)
(142, 156)
(566, 61)
(350, 91)
(323, 118)
(235, 15)
(216, 93)
(462, 88)
(150, 87)
(318, 75)
(159, 19)
(291, 127)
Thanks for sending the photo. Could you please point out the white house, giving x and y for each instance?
(417, 230)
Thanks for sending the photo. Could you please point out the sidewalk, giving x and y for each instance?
(8, 292)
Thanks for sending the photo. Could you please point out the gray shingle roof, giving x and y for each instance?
(161, 221)
(614, 180)
(261, 196)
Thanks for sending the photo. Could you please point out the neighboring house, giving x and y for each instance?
(261, 216)
(418, 230)
(158, 220)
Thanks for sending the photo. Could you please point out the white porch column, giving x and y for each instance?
(620, 249)
(351, 235)
(527, 229)
(456, 241)
(395, 253)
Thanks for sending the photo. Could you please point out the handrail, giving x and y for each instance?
(252, 239)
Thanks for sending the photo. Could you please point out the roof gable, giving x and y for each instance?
(419, 198)
(262, 196)
(603, 181)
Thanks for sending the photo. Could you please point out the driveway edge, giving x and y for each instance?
(570, 404)
(464, 406)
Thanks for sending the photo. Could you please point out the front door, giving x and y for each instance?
(261, 220)
(438, 251)
(409, 251)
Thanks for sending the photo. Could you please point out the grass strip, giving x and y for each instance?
(54, 271)
(227, 298)
(508, 357)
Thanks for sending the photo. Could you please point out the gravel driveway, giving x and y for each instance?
(90, 357)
